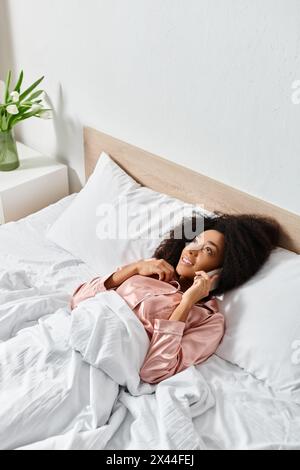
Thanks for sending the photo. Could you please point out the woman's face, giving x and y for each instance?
(204, 254)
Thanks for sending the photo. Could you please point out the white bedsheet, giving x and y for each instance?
(232, 410)
(64, 375)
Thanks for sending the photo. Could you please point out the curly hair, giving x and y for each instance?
(249, 240)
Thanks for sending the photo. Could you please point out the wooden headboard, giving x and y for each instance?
(178, 181)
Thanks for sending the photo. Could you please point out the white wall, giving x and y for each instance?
(205, 83)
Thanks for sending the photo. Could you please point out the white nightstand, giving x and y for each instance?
(38, 182)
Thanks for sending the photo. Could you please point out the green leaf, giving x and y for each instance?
(35, 95)
(31, 88)
(30, 103)
(7, 85)
(26, 103)
(9, 121)
(23, 114)
(19, 82)
(14, 119)
(23, 110)
(26, 116)
(4, 123)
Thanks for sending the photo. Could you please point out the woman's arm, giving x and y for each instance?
(172, 349)
(121, 275)
(181, 311)
(143, 267)
(199, 290)
(99, 284)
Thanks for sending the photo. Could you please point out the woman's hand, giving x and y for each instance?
(151, 266)
(199, 289)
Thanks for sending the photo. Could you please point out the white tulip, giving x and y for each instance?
(12, 109)
(45, 115)
(35, 108)
(15, 96)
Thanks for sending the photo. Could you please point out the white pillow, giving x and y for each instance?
(262, 320)
(86, 228)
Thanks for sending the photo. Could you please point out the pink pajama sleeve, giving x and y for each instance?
(90, 289)
(171, 350)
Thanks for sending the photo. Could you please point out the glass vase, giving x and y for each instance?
(9, 159)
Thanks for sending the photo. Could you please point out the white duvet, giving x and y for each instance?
(65, 375)
(70, 380)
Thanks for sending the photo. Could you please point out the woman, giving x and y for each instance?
(170, 293)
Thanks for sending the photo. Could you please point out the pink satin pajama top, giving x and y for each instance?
(174, 345)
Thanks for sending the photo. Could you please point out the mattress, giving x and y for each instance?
(246, 413)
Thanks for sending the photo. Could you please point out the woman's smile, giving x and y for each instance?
(185, 260)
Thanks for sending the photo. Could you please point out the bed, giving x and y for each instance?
(224, 407)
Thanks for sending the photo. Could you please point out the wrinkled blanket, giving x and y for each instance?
(68, 380)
